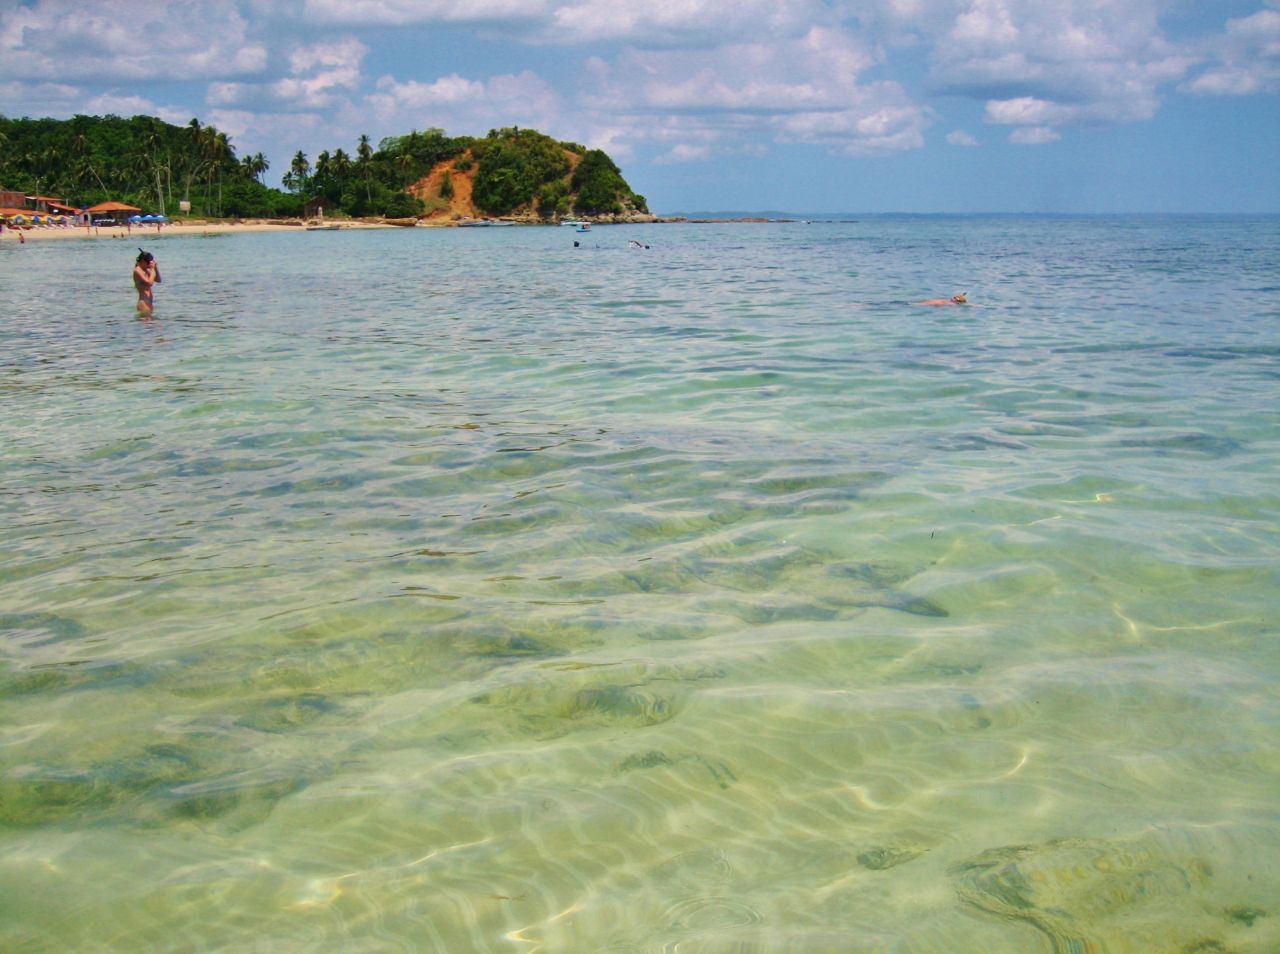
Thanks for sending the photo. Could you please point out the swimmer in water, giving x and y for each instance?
(146, 273)
(960, 299)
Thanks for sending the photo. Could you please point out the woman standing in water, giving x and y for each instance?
(146, 273)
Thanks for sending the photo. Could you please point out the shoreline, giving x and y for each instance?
(201, 227)
(81, 233)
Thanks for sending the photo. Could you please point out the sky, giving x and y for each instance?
(817, 106)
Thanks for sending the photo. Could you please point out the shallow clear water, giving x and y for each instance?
(465, 591)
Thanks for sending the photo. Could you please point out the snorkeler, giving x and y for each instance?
(146, 273)
(960, 299)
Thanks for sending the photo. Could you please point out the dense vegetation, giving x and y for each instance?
(599, 184)
(143, 161)
(154, 164)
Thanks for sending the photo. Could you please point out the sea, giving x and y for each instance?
(524, 590)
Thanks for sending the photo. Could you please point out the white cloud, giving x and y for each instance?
(63, 100)
(684, 152)
(677, 23)
(1024, 110)
(1075, 61)
(615, 140)
(345, 54)
(225, 94)
(446, 91)
(803, 89)
(39, 99)
(107, 103)
(317, 71)
(1034, 136)
(410, 12)
(457, 103)
(874, 130)
(672, 23)
(1247, 58)
(818, 70)
(959, 137)
(98, 39)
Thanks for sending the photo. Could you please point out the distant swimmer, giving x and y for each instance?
(634, 244)
(146, 273)
(960, 299)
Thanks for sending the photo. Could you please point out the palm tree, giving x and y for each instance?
(140, 166)
(222, 154)
(341, 165)
(299, 173)
(153, 143)
(405, 162)
(193, 161)
(365, 152)
(255, 165)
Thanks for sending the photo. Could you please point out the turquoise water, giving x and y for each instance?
(459, 590)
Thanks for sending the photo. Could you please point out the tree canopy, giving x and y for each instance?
(155, 165)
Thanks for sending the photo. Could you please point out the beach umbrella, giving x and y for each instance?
(162, 218)
(148, 218)
(19, 219)
(135, 218)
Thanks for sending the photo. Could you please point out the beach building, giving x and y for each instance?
(46, 203)
(39, 204)
(112, 211)
(54, 206)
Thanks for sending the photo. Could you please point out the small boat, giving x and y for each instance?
(584, 227)
(578, 224)
(327, 227)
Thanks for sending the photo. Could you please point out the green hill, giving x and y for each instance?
(154, 165)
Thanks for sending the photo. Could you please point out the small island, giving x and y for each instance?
(510, 175)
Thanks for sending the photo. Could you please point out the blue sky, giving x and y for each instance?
(855, 106)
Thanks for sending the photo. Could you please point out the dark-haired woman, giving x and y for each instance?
(146, 272)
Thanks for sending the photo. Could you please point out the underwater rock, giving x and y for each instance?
(881, 858)
(40, 629)
(1139, 894)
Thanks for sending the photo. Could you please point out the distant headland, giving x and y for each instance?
(511, 174)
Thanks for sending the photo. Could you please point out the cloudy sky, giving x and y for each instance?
(798, 105)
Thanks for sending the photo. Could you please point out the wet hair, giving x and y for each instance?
(143, 257)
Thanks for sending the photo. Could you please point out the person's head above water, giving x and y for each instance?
(960, 299)
(143, 257)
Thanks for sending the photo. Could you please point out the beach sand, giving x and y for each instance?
(81, 233)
